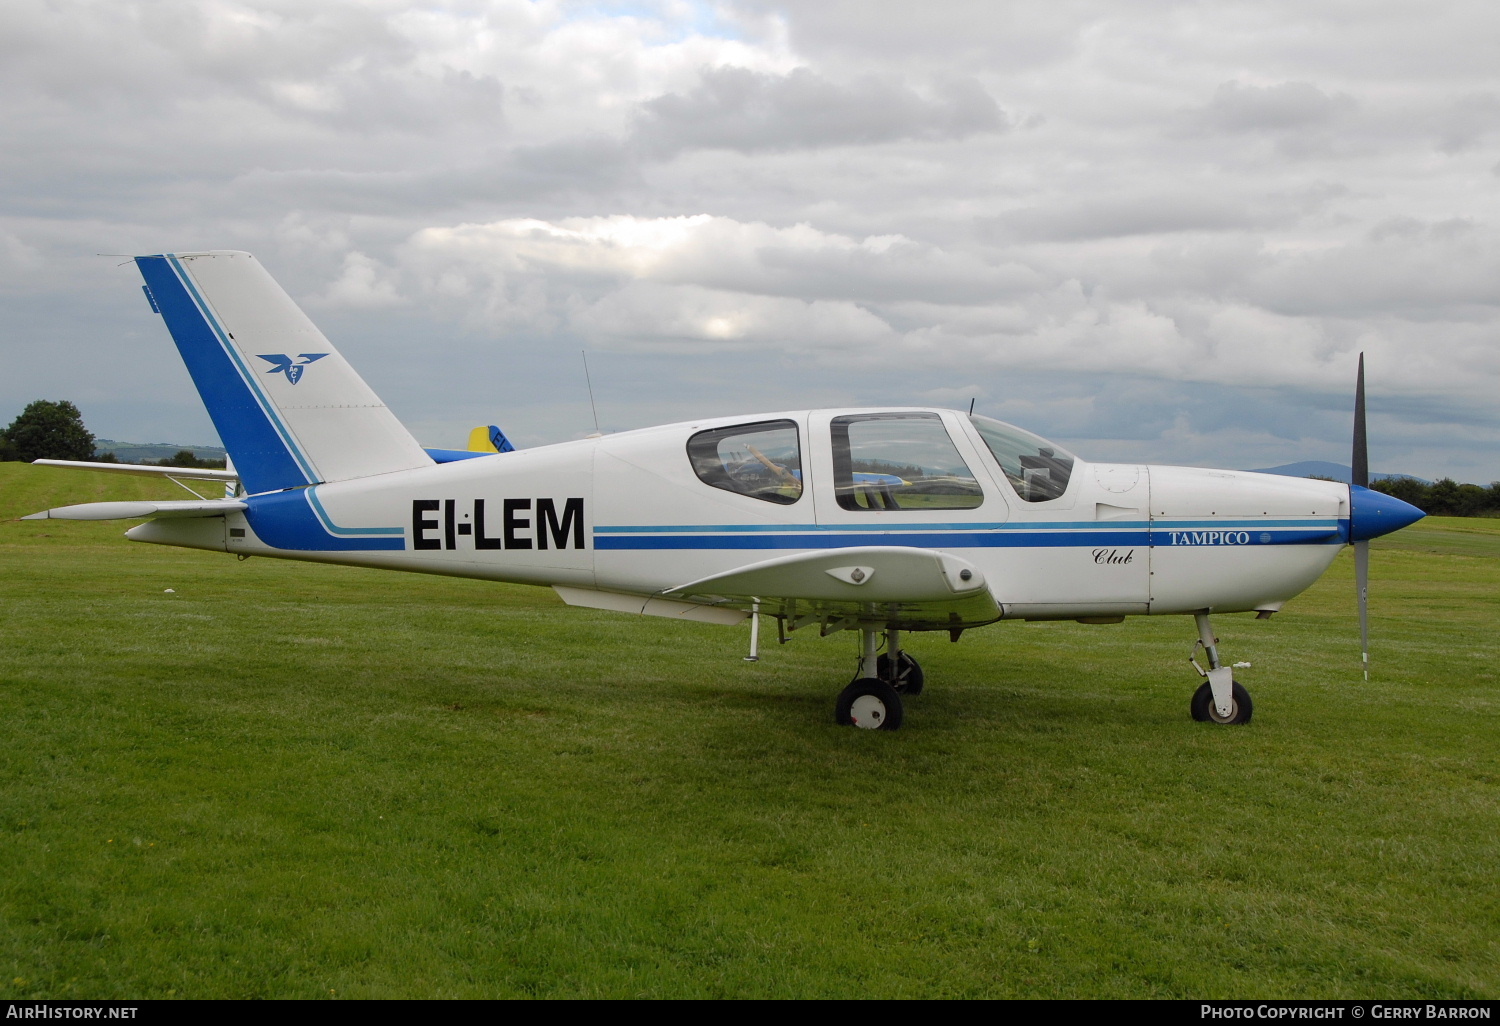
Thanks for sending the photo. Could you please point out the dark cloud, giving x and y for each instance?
(1103, 218)
(1468, 122)
(1289, 106)
(740, 109)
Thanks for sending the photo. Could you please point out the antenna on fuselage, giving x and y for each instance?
(971, 405)
(590, 382)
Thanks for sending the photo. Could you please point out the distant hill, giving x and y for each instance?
(135, 452)
(1322, 468)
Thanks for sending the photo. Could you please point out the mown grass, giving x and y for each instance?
(294, 780)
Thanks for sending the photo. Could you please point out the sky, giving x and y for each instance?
(1152, 231)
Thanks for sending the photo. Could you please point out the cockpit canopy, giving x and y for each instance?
(900, 459)
(1037, 469)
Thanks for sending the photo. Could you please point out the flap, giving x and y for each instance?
(915, 589)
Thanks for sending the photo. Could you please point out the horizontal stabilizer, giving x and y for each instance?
(134, 510)
(917, 589)
(454, 455)
(141, 470)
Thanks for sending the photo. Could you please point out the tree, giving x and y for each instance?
(187, 458)
(1407, 489)
(48, 431)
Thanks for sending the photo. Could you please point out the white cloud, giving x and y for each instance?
(1187, 229)
(362, 283)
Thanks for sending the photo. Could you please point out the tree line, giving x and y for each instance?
(1444, 498)
(54, 431)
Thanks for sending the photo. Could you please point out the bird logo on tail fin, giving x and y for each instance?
(293, 369)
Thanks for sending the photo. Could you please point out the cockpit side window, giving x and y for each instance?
(884, 461)
(763, 461)
(1036, 468)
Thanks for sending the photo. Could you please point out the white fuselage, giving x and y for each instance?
(627, 514)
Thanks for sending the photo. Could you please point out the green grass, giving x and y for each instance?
(295, 780)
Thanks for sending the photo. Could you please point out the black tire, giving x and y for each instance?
(908, 678)
(1240, 705)
(879, 710)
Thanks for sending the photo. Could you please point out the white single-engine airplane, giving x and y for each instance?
(883, 521)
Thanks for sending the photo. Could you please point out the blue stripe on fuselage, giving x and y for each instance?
(887, 527)
(939, 539)
(287, 520)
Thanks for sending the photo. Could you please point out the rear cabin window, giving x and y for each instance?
(884, 461)
(1036, 469)
(763, 461)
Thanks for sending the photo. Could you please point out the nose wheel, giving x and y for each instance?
(1204, 710)
(1219, 699)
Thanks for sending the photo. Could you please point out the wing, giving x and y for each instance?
(909, 588)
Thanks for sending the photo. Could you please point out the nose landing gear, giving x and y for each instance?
(1219, 699)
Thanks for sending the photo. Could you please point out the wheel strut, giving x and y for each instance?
(869, 701)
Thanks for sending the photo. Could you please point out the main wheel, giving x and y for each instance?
(907, 678)
(870, 704)
(1240, 706)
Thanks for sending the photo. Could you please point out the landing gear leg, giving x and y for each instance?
(869, 702)
(1219, 699)
(898, 669)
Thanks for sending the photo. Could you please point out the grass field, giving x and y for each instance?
(284, 779)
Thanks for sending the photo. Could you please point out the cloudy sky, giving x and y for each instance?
(1154, 231)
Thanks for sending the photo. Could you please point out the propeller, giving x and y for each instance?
(1359, 475)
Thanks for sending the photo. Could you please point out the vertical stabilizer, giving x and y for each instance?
(290, 409)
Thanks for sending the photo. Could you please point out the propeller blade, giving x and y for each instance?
(1359, 465)
(1359, 475)
(1362, 583)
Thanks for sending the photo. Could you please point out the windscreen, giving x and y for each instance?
(1037, 469)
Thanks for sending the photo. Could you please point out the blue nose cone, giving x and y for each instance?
(1373, 513)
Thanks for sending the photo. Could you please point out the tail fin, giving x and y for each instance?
(290, 409)
(489, 439)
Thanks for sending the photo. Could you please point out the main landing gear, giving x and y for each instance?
(1219, 699)
(872, 700)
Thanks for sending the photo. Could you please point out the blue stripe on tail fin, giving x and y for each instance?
(264, 456)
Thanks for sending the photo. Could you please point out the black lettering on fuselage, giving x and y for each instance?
(514, 523)
(481, 540)
(420, 524)
(547, 523)
(518, 530)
